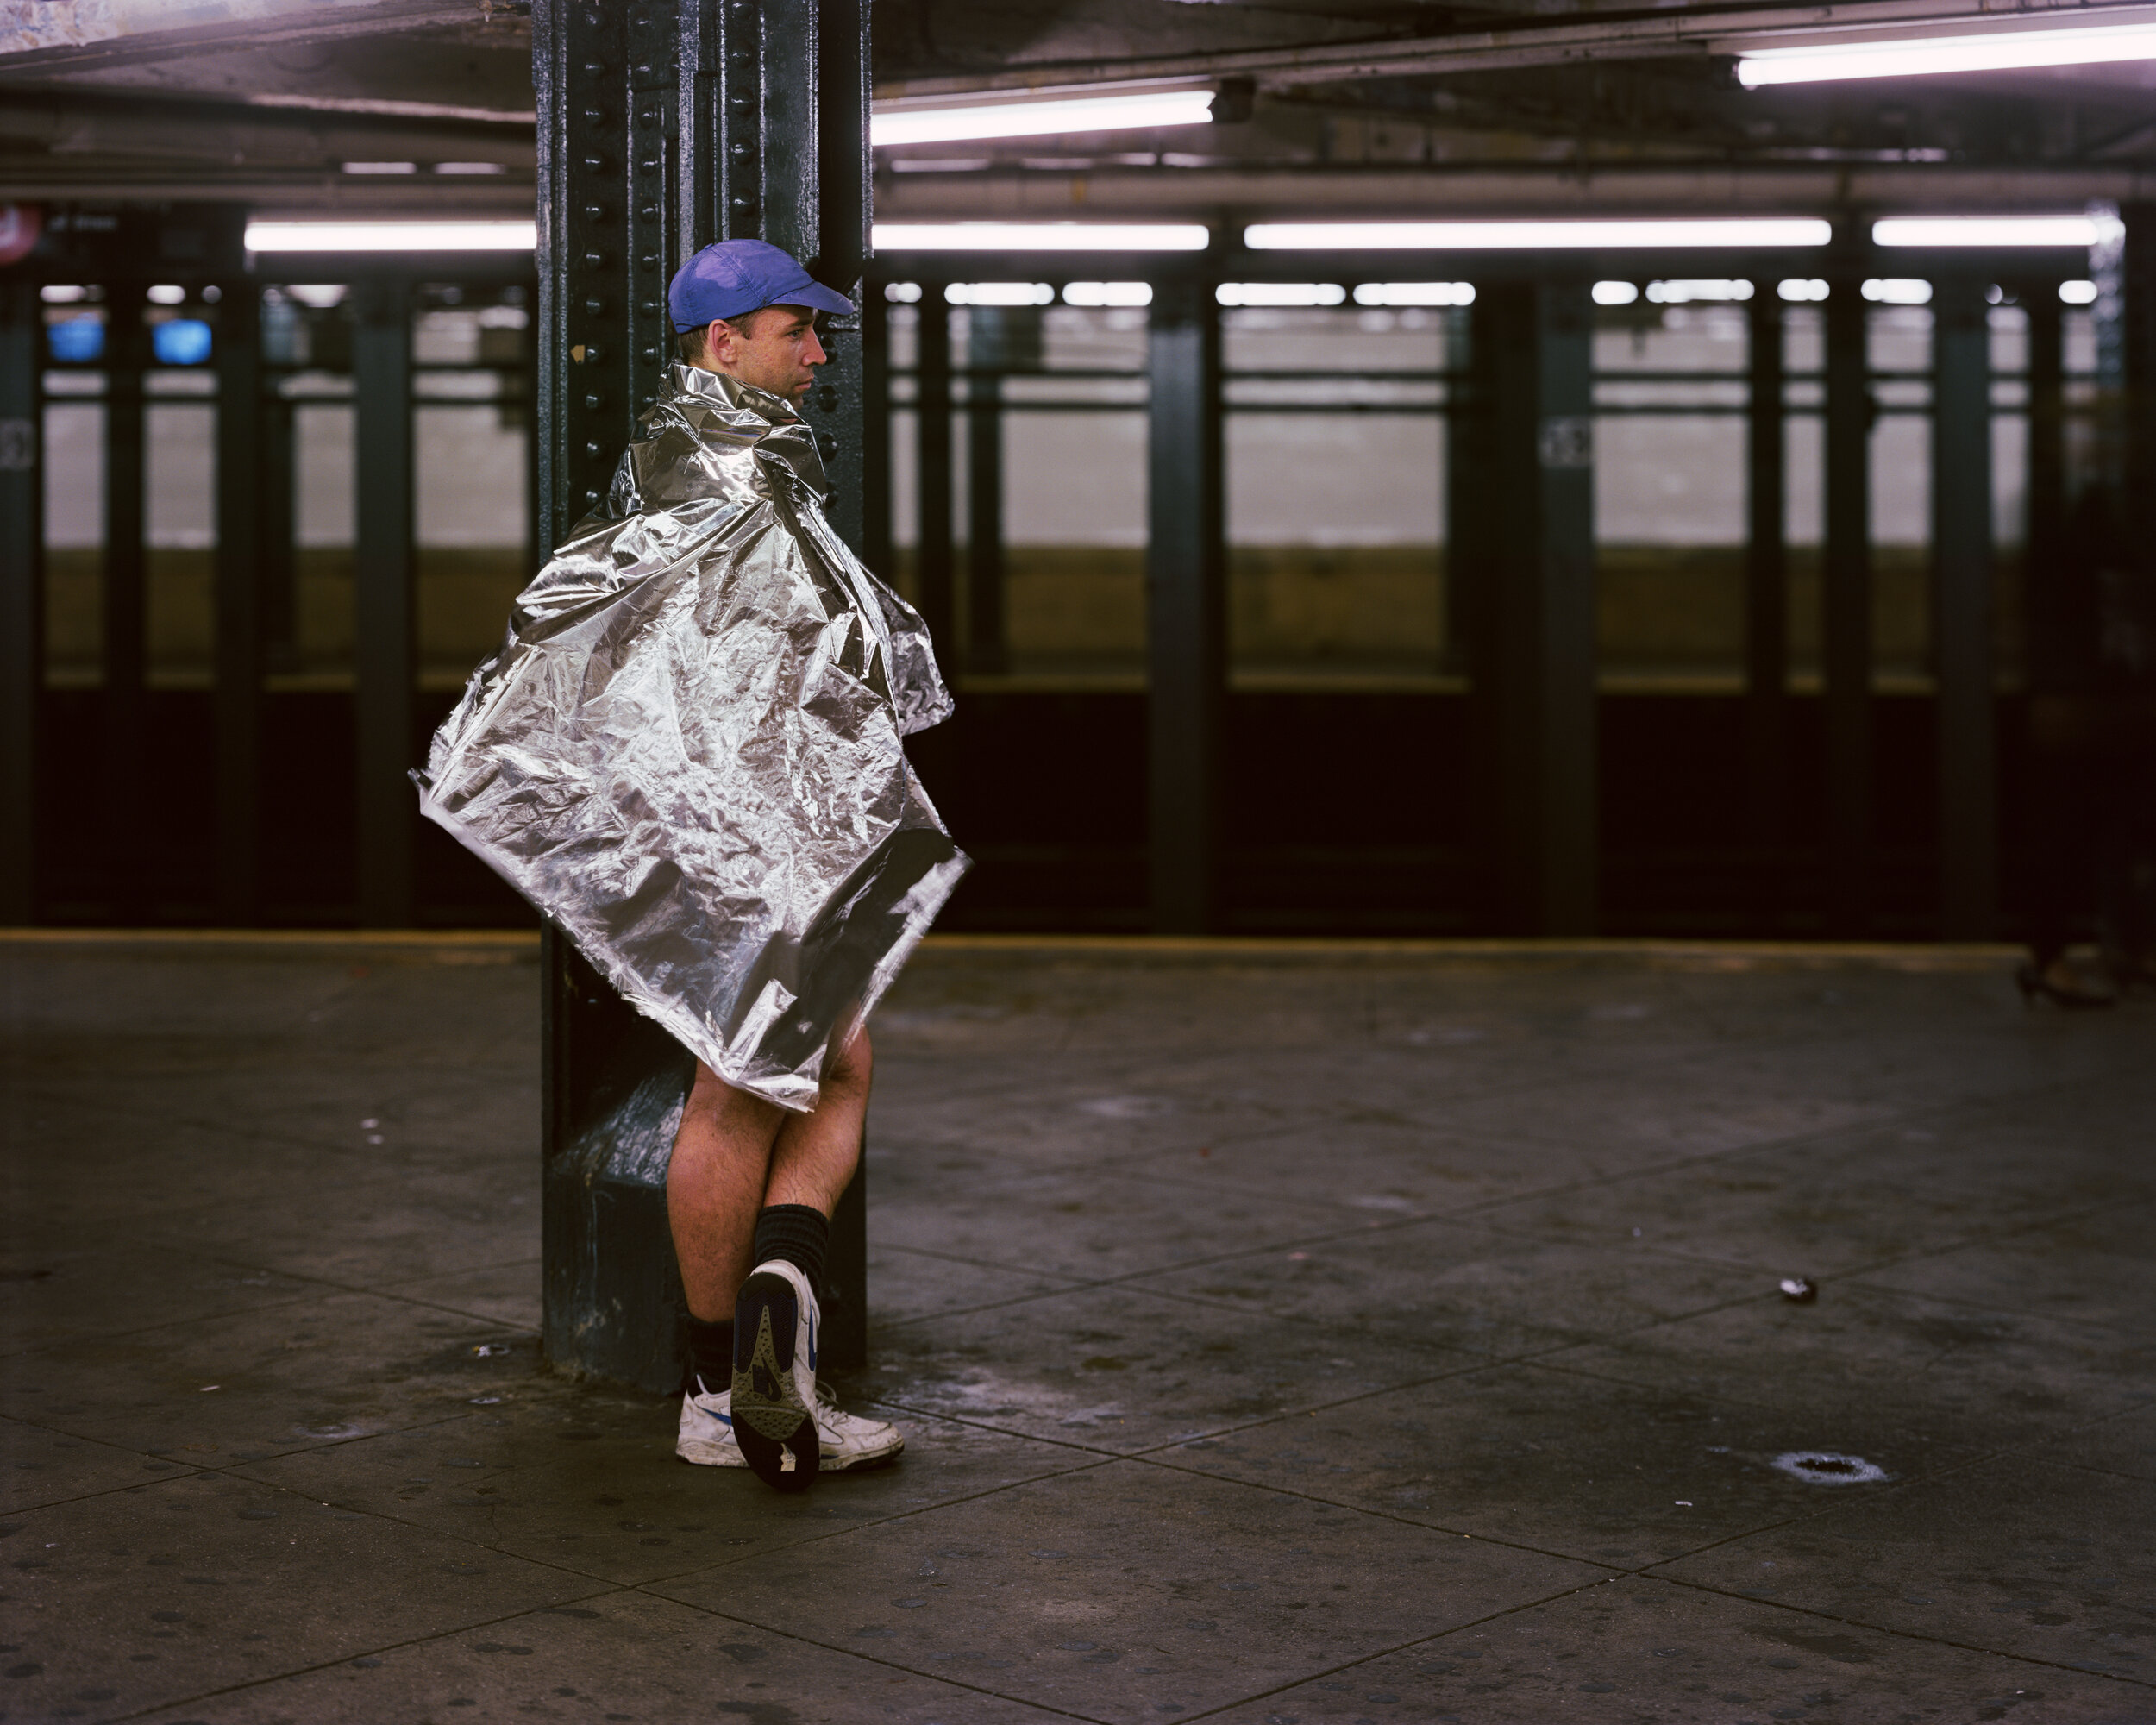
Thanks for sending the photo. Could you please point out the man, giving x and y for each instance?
(688, 754)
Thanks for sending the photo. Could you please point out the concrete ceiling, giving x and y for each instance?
(1350, 103)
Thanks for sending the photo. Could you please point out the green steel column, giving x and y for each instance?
(238, 600)
(21, 592)
(1962, 608)
(1846, 623)
(1185, 574)
(1535, 658)
(664, 125)
(1767, 589)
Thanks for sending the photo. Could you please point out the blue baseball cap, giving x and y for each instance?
(736, 277)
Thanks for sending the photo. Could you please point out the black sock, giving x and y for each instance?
(800, 1233)
(712, 1353)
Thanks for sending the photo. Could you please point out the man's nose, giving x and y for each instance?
(813, 354)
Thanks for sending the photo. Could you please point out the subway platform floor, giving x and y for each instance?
(1328, 1334)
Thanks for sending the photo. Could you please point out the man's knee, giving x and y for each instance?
(852, 1067)
(730, 1108)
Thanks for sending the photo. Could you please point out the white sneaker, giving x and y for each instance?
(844, 1441)
(774, 1399)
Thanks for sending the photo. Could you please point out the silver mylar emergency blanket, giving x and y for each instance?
(687, 752)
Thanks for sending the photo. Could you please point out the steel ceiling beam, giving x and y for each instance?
(1690, 32)
(93, 123)
(77, 35)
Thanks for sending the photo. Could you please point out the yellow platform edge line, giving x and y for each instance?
(509, 938)
(515, 942)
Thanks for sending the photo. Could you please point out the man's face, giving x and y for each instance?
(775, 348)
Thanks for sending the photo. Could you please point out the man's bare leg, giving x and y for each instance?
(748, 1181)
(715, 1186)
(735, 1154)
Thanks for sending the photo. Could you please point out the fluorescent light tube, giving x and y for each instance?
(1107, 293)
(1041, 236)
(1416, 293)
(1040, 118)
(392, 236)
(1984, 231)
(2077, 294)
(999, 293)
(1928, 56)
(1490, 236)
(1895, 290)
(1614, 293)
(1684, 293)
(1280, 293)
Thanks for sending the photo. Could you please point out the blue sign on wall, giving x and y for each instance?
(76, 339)
(181, 341)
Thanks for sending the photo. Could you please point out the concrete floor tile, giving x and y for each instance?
(1578, 1466)
(906, 1285)
(908, 1078)
(1074, 1124)
(441, 1020)
(2050, 1563)
(183, 1587)
(75, 1171)
(1454, 1077)
(978, 1024)
(2124, 1443)
(1127, 1592)
(1091, 1006)
(1431, 1014)
(382, 1233)
(503, 1294)
(1457, 1285)
(39, 1466)
(2030, 1156)
(1899, 1066)
(1696, 1110)
(1932, 1368)
(1386, 1169)
(922, 1023)
(1121, 1370)
(59, 1294)
(292, 1376)
(1637, 1649)
(615, 1656)
(98, 1006)
(590, 1482)
(2107, 1109)
(460, 1117)
(2113, 1110)
(1076, 1223)
(2098, 1268)
(1390, 1081)
(1847, 1203)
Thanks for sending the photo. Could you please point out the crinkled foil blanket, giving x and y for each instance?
(688, 753)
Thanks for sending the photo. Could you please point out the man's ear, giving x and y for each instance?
(714, 332)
